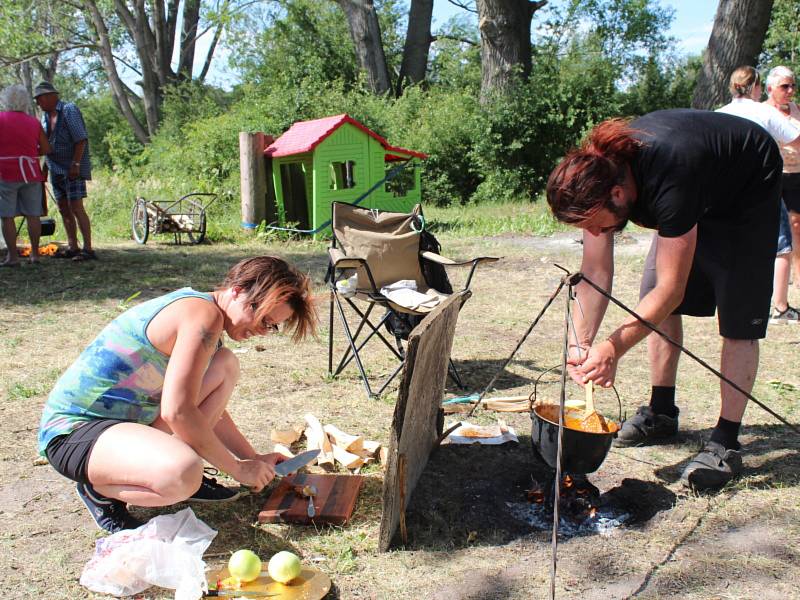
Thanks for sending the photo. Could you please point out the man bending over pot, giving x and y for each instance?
(709, 185)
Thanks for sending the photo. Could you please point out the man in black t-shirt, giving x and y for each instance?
(709, 184)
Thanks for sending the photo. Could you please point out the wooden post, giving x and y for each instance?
(253, 178)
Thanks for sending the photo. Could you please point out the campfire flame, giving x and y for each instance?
(577, 497)
(48, 250)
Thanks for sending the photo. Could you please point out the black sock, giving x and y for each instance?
(662, 400)
(726, 433)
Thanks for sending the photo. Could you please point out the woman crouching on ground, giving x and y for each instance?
(133, 419)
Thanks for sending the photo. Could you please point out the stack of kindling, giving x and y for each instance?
(335, 446)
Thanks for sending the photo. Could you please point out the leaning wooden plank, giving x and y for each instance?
(351, 443)
(347, 459)
(317, 438)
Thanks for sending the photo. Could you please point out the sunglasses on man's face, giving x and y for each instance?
(267, 325)
(786, 86)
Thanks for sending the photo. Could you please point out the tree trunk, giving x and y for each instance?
(25, 74)
(505, 27)
(163, 43)
(736, 39)
(109, 66)
(417, 45)
(191, 19)
(366, 34)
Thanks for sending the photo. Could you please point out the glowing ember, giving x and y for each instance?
(581, 508)
(48, 250)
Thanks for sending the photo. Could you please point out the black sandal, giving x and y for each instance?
(84, 255)
(66, 253)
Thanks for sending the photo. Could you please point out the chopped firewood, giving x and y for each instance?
(348, 460)
(287, 436)
(317, 438)
(370, 451)
(371, 447)
(521, 406)
(345, 441)
(283, 450)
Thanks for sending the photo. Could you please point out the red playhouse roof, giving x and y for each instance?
(304, 136)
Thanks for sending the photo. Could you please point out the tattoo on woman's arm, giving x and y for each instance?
(209, 338)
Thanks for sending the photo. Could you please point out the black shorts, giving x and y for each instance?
(791, 191)
(731, 271)
(69, 454)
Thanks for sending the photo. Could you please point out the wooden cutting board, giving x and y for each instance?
(334, 503)
(311, 584)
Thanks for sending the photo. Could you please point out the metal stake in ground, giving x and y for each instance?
(562, 401)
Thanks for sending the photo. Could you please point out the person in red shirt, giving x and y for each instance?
(22, 141)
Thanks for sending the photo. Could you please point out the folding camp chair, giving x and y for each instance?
(381, 248)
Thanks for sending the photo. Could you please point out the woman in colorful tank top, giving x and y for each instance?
(134, 418)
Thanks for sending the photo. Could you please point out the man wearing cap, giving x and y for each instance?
(69, 166)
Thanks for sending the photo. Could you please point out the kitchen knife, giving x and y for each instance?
(238, 594)
(293, 464)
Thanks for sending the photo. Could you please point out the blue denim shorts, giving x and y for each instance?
(784, 232)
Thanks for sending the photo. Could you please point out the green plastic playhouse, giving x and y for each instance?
(338, 159)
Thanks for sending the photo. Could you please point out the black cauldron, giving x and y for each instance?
(48, 226)
(581, 451)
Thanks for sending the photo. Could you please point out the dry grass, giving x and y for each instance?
(739, 543)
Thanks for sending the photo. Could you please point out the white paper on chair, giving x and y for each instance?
(409, 298)
(403, 284)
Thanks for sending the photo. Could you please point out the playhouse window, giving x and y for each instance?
(343, 175)
(402, 183)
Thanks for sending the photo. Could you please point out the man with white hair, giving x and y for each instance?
(69, 166)
(745, 86)
(22, 141)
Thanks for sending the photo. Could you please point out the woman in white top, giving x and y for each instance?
(745, 86)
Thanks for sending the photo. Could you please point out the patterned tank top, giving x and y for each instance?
(119, 376)
(791, 156)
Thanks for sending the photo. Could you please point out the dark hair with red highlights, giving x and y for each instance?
(581, 184)
(269, 281)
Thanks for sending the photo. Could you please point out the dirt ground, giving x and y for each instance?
(464, 540)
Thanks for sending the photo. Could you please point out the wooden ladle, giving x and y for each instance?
(592, 420)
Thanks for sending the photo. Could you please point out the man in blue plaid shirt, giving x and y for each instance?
(69, 166)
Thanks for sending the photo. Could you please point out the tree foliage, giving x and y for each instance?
(782, 44)
(296, 59)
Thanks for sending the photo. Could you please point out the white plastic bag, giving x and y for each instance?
(167, 551)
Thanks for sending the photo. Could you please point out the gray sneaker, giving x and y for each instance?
(712, 468)
(790, 315)
(646, 427)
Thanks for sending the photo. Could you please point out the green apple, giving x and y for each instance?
(284, 566)
(244, 565)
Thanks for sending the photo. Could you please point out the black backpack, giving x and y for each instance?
(435, 274)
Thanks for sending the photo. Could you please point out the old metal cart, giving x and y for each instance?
(184, 216)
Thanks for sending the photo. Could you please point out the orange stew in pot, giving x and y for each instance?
(575, 419)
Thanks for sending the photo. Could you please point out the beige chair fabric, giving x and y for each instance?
(386, 240)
